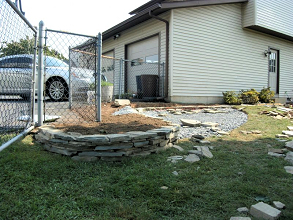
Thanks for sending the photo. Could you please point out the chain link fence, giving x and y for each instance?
(70, 77)
(69, 82)
(17, 64)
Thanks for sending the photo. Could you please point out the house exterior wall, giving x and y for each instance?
(270, 14)
(139, 32)
(212, 53)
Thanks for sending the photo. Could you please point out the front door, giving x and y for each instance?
(273, 71)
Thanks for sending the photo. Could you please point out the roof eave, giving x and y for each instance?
(132, 21)
(186, 4)
(144, 6)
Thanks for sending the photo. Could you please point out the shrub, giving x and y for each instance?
(266, 95)
(106, 83)
(231, 98)
(249, 96)
(92, 86)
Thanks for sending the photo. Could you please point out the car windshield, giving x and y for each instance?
(54, 62)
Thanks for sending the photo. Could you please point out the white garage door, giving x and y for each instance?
(140, 55)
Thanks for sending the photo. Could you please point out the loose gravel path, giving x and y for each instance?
(228, 120)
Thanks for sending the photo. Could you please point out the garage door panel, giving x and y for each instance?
(137, 53)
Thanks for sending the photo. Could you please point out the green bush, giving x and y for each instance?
(106, 83)
(92, 86)
(266, 95)
(231, 98)
(249, 96)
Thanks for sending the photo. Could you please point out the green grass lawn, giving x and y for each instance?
(35, 184)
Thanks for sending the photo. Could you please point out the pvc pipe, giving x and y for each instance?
(7, 144)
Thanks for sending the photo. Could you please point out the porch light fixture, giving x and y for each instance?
(116, 36)
(267, 52)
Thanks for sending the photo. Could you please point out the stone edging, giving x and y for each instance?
(111, 147)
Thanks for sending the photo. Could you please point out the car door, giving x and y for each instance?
(15, 75)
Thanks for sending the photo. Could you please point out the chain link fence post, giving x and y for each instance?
(40, 76)
(120, 77)
(70, 80)
(98, 77)
(34, 80)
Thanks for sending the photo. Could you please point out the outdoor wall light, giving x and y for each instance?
(267, 52)
(116, 36)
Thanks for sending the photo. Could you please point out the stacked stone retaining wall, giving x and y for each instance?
(111, 147)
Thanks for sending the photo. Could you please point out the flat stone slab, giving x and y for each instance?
(140, 134)
(121, 102)
(197, 152)
(223, 133)
(115, 147)
(282, 136)
(279, 205)
(278, 151)
(204, 142)
(265, 211)
(60, 151)
(276, 154)
(289, 145)
(289, 133)
(178, 148)
(93, 138)
(175, 173)
(243, 210)
(175, 158)
(289, 157)
(118, 137)
(255, 132)
(205, 151)
(190, 123)
(290, 128)
(209, 124)
(198, 136)
(289, 169)
(191, 158)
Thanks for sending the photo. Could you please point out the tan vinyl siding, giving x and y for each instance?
(248, 13)
(139, 32)
(211, 53)
(275, 15)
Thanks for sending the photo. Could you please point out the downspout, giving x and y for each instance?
(167, 51)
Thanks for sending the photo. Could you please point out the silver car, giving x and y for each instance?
(16, 77)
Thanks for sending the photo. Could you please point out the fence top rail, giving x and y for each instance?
(21, 15)
(65, 32)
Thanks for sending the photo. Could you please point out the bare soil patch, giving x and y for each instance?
(114, 124)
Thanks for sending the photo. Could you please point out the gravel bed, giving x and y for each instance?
(228, 120)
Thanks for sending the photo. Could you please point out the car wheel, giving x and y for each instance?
(57, 89)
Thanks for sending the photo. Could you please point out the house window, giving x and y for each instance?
(152, 59)
(137, 62)
(272, 62)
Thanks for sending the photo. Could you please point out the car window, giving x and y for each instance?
(54, 62)
(16, 62)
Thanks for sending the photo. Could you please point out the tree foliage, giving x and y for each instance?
(26, 46)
